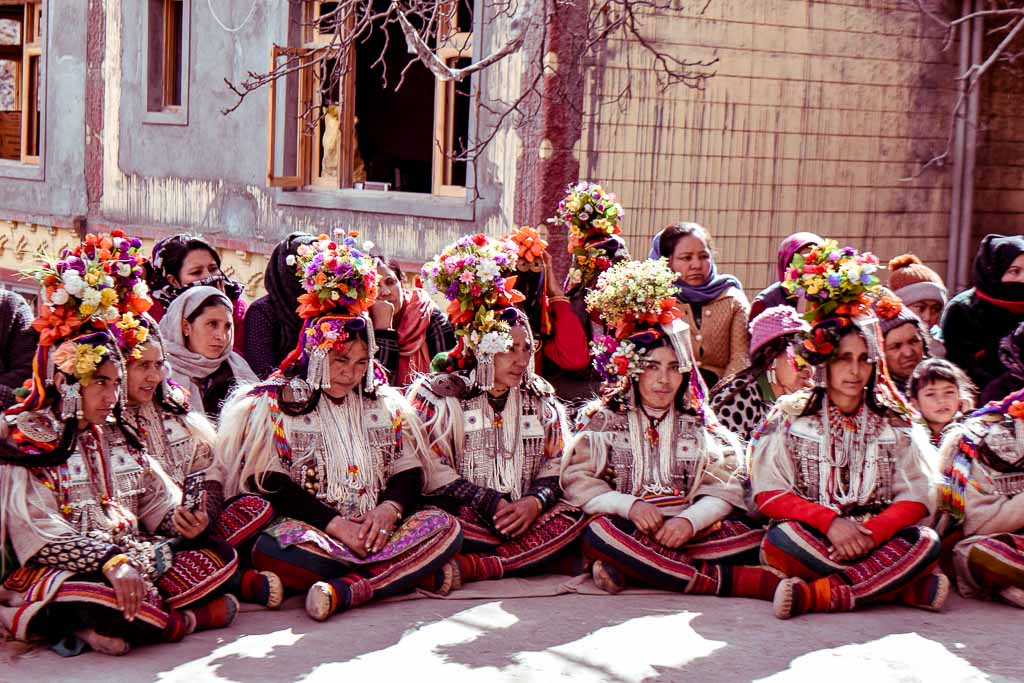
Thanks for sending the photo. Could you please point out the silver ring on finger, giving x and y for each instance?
(383, 531)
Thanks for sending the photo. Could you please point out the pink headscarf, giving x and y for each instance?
(790, 246)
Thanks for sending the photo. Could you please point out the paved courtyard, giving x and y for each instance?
(635, 636)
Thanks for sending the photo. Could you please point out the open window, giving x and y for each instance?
(332, 127)
(21, 72)
(167, 59)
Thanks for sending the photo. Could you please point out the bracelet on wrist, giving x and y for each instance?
(394, 506)
(115, 562)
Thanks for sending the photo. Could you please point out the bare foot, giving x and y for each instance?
(108, 645)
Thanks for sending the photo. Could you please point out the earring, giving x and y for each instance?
(70, 402)
(300, 389)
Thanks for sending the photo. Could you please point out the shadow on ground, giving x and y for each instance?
(628, 637)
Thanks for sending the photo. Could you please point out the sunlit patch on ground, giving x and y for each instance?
(249, 647)
(624, 652)
(904, 657)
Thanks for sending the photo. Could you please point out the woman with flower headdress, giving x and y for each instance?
(650, 461)
(713, 305)
(984, 490)
(591, 217)
(182, 261)
(108, 555)
(841, 470)
(198, 333)
(495, 429)
(337, 453)
(182, 441)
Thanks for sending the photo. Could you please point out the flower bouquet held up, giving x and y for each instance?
(591, 215)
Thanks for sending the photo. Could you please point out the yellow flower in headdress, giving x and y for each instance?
(80, 360)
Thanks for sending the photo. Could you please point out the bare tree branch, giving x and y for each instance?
(431, 36)
(972, 77)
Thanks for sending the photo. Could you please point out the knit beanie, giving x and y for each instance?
(892, 313)
(775, 322)
(913, 281)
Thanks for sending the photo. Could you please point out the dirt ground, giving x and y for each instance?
(634, 636)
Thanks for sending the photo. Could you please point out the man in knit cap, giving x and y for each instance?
(920, 288)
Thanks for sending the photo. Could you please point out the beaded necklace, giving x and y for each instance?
(653, 425)
(845, 440)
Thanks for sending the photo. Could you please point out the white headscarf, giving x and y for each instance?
(189, 367)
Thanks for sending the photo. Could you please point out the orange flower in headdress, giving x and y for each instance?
(853, 309)
(529, 243)
(888, 307)
(1016, 410)
(55, 324)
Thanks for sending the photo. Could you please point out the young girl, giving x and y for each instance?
(942, 393)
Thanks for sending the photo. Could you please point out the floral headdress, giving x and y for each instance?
(591, 215)
(842, 291)
(132, 334)
(469, 274)
(341, 285)
(637, 301)
(90, 287)
(839, 285)
(79, 357)
(336, 275)
(833, 280)
(90, 284)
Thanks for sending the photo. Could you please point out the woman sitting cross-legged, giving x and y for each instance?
(109, 555)
(337, 453)
(496, 430)
(182, 442)
(842, 471)
(652, 462)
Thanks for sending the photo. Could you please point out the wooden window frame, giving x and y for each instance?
(167, 114)
(459, 45)
(32, 124)
(302, 143)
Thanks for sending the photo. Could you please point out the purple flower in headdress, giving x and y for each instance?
(835, 256)
(865, 279)
(835, 279)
